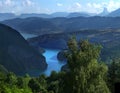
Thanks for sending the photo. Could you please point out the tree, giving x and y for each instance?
(86, 73)
(114, 73)
(42, 81)
(54, 82)
(34, 85)
(11, 79)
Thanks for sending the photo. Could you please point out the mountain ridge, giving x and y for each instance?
(115, 13)
(16, 54)
(42, 26)
(6, 16)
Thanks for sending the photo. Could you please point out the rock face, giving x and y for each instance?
(104, 13)
(16, 54)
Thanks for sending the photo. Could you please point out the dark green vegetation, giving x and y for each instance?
(114, 73)
(16, 54)
(86, 74)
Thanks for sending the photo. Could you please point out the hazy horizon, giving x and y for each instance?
(51, 6)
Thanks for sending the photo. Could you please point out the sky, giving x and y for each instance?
(51, 6)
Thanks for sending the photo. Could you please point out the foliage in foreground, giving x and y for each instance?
(86, 74)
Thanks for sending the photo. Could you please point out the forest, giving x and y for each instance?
(86, 73)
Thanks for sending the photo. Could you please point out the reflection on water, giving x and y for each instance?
(26, 36)
(53, 63)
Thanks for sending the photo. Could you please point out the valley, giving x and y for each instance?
(59, 46)
(55, 35)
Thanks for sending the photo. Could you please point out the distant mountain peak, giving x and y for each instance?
(104, 12)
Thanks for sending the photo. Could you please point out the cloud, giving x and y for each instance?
(8, 2)
(98, 7)
(92, 7)
(76, 7)
(33, 6)
(59, 4)
(0, 4)
(113, 5)
(28, 3)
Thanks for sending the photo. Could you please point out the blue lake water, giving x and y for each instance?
(51, 59)
(53, 63)
(26, 36)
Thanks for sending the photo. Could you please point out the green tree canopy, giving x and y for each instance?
(86, 74)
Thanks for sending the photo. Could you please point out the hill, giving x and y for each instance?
(77, 14)
(6, 16)
(108, 38)
(34, 15)
(115, 13)
(42, 26)
(59, 14)
(16, 54)
(31, 25)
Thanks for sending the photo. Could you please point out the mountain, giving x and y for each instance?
(115, 13)
(50, 40)
(60, 14)
(109, 39)
(77, 14)
(6, 16)
(34, 15)
(56, 14)
(41, 26)
(104, 12)
(32, 25)
(16, 55)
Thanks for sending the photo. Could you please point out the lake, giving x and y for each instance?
(52, 61)
(26, 36)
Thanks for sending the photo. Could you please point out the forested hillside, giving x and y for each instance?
(86, 73)
(16, 54)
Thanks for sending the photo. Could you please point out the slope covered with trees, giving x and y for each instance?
(16, 54)
(86, 74)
